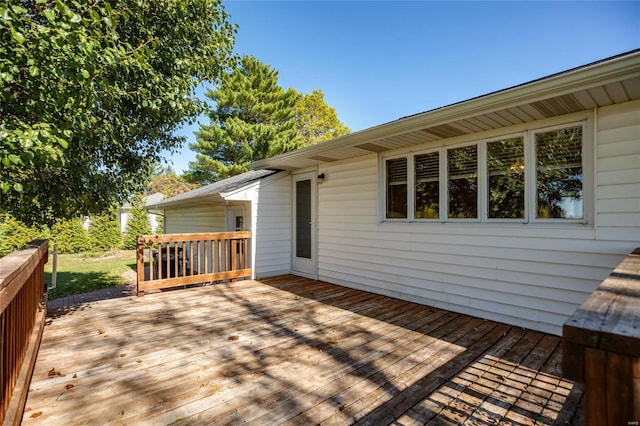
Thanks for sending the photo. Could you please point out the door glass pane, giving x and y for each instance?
(303, 219)
(427, 186)
(462, 164)
(559, 173)
(505, 165)
(396, 188)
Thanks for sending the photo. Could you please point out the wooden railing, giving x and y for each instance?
(174, 260)
(22, 314)
(601, 347)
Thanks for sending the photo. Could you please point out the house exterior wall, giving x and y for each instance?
(529, 275)
(209, 218)
(272, 227)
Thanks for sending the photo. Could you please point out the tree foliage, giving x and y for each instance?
(138, 224)
(91, 92)
(104, 232)
(169, 184)
(316, 120)
(253, 118)
(15, 234)
(70, 236)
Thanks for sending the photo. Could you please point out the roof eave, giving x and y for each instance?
(588, 76)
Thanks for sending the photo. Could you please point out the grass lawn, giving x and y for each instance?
(83, 272)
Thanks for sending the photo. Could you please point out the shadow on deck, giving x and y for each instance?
(297, 351)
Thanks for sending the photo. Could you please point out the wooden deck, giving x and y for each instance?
(292, 351)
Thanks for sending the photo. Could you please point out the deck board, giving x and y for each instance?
(289, 350)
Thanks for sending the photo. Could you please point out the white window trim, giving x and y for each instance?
(441, 170)
(383, 187)
(587, 171)
(479, 182)
(527, 131)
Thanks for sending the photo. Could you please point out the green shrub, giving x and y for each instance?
(15, 234)
(104, 233)
(70, 236)
(138, 224)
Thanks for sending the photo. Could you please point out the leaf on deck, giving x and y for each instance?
(53, 373)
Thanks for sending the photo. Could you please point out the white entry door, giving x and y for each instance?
(304, 224)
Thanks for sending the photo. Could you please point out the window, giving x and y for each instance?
(559, 174)
(396, 188)
(427, 184)
(462, 167)
(530, 176)
(505, 169)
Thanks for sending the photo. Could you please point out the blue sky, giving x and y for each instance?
(377, 61)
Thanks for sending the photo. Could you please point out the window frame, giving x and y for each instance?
(412, 161)
(384, 189)
(485, 178)
(587, 174)
(526, 131)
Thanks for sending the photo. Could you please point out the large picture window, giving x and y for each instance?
(505, 169)
(462, 166)
(528, 176)
(397, 188)
(559, 174)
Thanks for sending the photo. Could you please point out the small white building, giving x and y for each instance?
(512, 206)
(124, 212)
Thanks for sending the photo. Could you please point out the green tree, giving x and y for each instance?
(138, 224)
(15, 234)
(91, 93)
(70, 236)
(316, 120)
(169, 184)
(253, 118)
(104, 232)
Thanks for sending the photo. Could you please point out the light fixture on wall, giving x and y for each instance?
(321, 178)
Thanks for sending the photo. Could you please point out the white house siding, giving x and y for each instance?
(532, 276)
(272, 227)
(618, 177)
(209, 218)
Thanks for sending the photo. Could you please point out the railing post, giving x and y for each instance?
(140, 265)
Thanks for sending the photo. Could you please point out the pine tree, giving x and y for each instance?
(253, 118)
(138, 224)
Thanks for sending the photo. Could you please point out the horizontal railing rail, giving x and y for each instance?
(175, 260)
(22, 314)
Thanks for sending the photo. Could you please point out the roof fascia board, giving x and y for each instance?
(555, 85)
(213, 198)
(218, 197)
